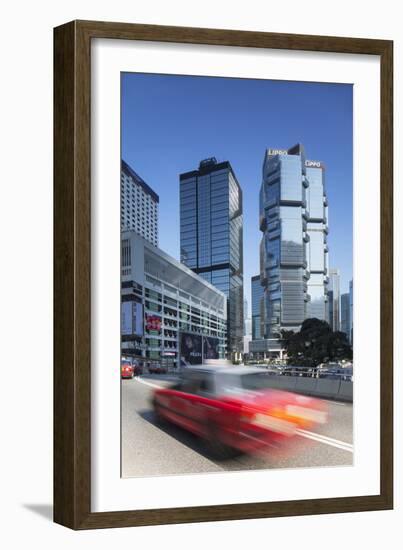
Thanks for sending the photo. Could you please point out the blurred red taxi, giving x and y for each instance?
(126, 369)
(234, 409)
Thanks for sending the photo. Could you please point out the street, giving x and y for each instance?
(149, 449)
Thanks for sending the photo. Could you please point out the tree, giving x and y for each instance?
(286, 335)
(315, 343)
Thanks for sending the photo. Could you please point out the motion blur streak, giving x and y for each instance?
(235, 409)
(151, 448)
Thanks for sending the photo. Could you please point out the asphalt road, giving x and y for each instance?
(148, 449)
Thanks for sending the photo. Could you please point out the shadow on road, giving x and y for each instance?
(199, 446)
(181, 435)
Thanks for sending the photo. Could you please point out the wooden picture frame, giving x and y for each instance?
(72, 270)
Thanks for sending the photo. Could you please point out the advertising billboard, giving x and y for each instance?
(131, 319)
(191, 346)
(210, 347)
(153, 322)
(138, 322)
(126, 324)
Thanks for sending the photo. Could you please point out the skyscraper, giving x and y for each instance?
(211, 235)
(257, 305)
(245, 309)
(247, 321)
(334, 299)
(138, 205)
(351, 289)
(294, 253)
(345, 314)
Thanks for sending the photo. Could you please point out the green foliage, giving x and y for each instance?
(315, 343)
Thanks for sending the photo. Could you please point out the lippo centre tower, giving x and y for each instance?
(293, 250)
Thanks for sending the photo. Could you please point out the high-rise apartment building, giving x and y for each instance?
(294, 252)
(138, 205)
(334, 299)
(211, 236)
(257, 307)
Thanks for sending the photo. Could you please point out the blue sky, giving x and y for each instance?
(170, 123)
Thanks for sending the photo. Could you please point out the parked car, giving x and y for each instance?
(138, 368)
(127, 369)
(234, 409)
(157, 369)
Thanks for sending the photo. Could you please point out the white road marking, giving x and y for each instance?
(327, 440)
(147, 383)
(303, 433)
(340, 403)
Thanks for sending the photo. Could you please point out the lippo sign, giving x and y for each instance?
(308, 163)
(273, 152)
(313, 164)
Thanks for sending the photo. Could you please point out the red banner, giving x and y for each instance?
(153, 322)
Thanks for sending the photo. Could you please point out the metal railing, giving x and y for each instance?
(322, 371)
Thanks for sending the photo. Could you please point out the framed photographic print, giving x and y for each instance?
(223, 275)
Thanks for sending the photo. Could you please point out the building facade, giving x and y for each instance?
(316, 247)
(345, 314)
(293, 251)
(351, 292)
(245, 309)
(211, 236)
(334, 299)
(138, 205)
(266, 349)
(257, 292)
(177, 307)
(247, 327)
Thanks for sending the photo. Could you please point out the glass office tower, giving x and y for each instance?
(293, 251)
(345, 314)
(351, 292)
(334, 299)
(257, 307)
(316, 246)
(211, 236)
